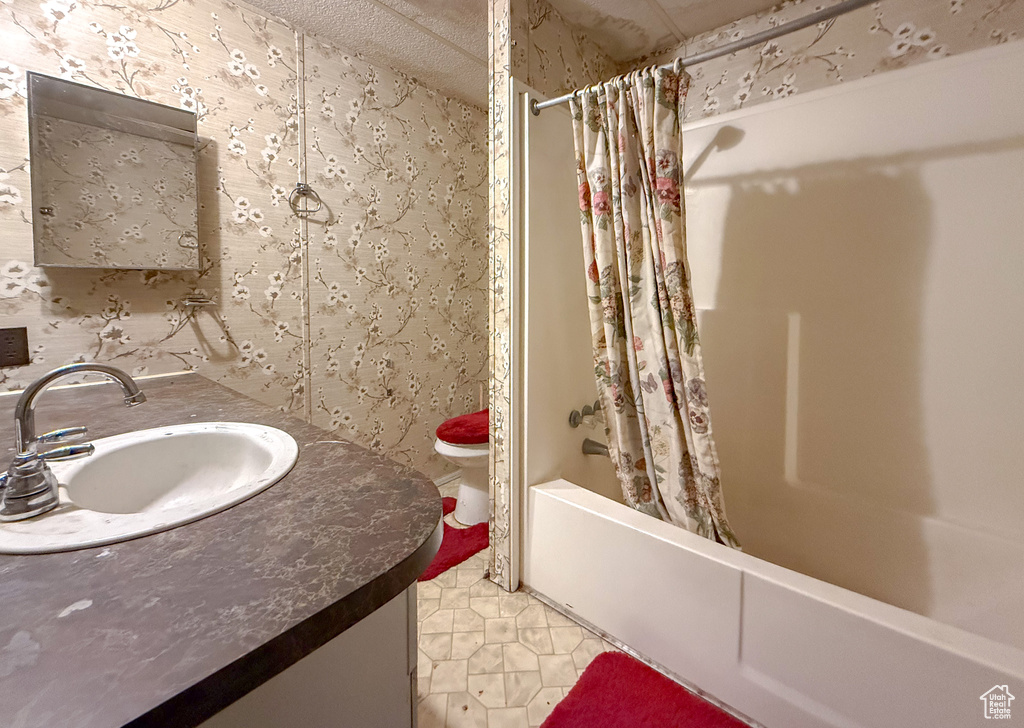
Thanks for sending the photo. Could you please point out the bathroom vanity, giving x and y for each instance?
(294, 607)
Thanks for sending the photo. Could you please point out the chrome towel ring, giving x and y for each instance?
(303, 190)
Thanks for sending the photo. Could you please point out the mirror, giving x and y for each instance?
(113, 179)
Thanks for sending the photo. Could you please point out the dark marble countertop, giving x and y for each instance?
(167, 629)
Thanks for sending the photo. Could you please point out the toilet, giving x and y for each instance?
(462, 441)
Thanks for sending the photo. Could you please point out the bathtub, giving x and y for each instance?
(871, 469)
(779, 647)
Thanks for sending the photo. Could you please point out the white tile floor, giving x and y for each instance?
(490, 659)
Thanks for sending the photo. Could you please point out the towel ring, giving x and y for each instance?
(304, 190)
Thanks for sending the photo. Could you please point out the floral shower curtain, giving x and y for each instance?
(647, 355)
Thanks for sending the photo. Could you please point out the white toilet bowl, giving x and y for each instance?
(472, 506)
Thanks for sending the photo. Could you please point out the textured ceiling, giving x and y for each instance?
(628, 30)
(443, 43)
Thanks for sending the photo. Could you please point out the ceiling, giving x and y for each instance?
(443, 43)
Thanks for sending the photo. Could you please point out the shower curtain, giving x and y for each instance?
(647, 355)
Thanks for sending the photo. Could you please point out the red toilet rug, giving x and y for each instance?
(457, 544)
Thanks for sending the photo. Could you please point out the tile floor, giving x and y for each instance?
(490, 659)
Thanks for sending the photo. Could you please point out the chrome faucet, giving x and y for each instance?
(29, 487)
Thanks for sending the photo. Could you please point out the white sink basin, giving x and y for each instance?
(153, 480)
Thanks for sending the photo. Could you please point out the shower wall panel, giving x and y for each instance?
(558, 356)
(856, 254)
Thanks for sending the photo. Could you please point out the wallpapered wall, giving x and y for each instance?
(552, 56)
(530, 41)
(397, 269)
(881, 37)
(500, 283)
(372, 324)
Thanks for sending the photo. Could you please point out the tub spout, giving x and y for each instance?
(593, 447)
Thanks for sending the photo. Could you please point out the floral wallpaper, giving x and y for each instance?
(499, 140)
(398, 273)
(117, 199)
(558, 57)
(530, 41)
(277, 332)
(880, 37)
(236, 70)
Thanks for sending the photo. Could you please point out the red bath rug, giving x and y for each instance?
(617, 691)
(457, 544)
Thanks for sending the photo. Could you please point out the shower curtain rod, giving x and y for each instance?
(812, 19)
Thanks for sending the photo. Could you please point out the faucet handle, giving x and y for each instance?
(62, 435)
(69, 452)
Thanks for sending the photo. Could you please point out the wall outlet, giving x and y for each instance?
(14, 347)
